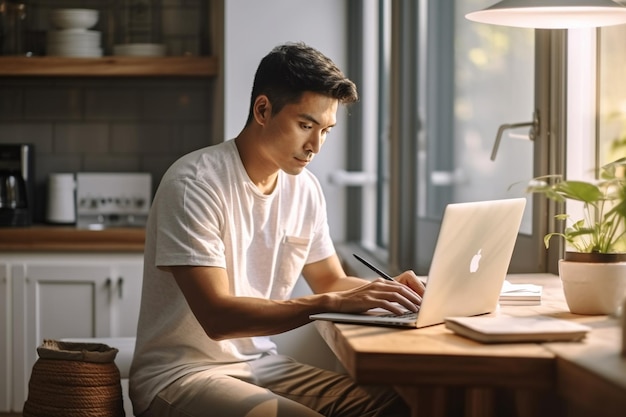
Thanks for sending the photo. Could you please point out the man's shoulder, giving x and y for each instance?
(216, 151)
(204, 160)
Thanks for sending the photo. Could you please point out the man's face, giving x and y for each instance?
(292, 137)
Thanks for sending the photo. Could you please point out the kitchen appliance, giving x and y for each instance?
(17, 183)
(106, 200)
(61, 207)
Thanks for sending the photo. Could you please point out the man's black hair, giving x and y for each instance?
(293, 68)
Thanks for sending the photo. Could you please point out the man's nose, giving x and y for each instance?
(315, 142)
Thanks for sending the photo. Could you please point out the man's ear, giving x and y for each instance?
(262, 109)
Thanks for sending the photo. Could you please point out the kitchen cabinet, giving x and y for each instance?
(69, 295)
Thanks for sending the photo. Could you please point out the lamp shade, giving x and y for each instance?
(552, 14)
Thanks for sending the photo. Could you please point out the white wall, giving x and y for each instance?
(581, 111)
(252, 29)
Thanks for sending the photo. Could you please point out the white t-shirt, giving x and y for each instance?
(207, 212)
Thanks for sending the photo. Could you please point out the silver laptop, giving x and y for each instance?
(468, 268)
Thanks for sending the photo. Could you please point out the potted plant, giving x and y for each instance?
(593, 270)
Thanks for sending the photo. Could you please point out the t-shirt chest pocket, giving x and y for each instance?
(292, 255)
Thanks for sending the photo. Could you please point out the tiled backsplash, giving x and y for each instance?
(110, 125)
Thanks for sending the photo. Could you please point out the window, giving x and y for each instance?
(433, 92)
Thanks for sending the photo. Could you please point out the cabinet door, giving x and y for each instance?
(127, 280)
(5, 349)
(54, 301)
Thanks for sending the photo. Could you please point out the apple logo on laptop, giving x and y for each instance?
(475, 263)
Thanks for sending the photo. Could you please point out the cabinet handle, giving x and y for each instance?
(107, 284)
(120, 285)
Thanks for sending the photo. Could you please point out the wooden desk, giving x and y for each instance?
(591, 376)
(442, 374)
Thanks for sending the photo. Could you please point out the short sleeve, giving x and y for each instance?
(189, 220)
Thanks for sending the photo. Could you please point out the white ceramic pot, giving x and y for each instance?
(592, 287)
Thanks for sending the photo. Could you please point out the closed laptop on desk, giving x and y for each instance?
(468, 268)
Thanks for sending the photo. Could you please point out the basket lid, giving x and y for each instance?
(86, 352)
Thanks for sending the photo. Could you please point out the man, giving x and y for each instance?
(231, 229)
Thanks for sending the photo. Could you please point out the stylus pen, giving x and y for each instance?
(373, 268)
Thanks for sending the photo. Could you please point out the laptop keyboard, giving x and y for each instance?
(407, 314)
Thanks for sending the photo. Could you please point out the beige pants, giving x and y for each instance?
(274, 386)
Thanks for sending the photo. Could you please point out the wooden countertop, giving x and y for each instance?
(69, 238)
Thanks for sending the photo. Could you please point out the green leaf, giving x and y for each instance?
(579, 190)
(610, 170)
(602, 227)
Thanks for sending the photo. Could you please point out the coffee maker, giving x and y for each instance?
(17, 185)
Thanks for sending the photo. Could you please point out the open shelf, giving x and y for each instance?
(108, 66)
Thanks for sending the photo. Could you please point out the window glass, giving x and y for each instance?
(471, 78)
(494, 85)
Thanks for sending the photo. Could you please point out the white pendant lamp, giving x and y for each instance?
(552, 14)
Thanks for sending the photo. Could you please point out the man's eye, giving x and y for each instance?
(307, 127)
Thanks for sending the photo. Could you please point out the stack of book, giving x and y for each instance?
(520, 294)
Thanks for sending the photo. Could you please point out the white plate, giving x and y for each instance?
(67, 35)
(74, 18)
(75, 52)
(88, 44)
(139, 49)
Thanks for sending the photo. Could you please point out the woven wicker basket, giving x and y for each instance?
(74, 380)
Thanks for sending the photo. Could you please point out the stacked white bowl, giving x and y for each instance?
(139, 49)
(71, 35)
